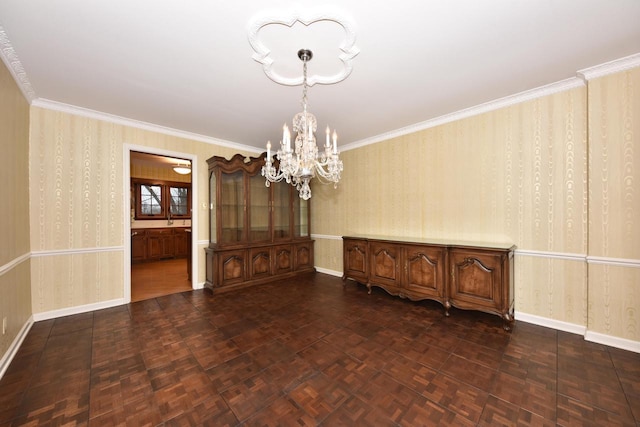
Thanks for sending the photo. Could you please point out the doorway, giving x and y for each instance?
(159, 229)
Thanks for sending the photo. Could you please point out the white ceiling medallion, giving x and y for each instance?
(330, 34)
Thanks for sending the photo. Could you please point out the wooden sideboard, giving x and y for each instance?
(469, 276)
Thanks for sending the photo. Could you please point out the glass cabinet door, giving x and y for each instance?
(281, 210)
(213, 232)
(232, 207)
(259, 209)
(300, 217)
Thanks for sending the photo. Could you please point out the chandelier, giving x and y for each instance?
(302, 162)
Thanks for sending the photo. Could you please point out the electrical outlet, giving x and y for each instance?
(4, 325)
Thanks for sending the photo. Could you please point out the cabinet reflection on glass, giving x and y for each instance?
(257, 233)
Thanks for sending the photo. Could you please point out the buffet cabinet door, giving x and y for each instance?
(303, 256)
(231, 267)
(356, 260)
(260, 262)
(282, 259)
(385, 266)
(425, 272)
(477, 280)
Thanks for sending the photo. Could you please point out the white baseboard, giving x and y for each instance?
(551, 323)
(15, 346)
(53, 314)
(329, 272)
(622, 343)
(596, 337)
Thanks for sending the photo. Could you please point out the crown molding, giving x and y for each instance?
(11, 60)
(610, 67)
(307, 17)
(497, 104)
(110, 118)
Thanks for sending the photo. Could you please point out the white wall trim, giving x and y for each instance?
(329, 272)
(573, 328)
(78, 309)
(15, 346)
(555, 255)
(110, 118)
(620, 262)
(325, 237)
(13, 263)
(497, 104)
(75, 251)
(611, 67)
(612, 341)
(550, 323)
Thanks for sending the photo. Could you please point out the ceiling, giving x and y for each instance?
(191, 67)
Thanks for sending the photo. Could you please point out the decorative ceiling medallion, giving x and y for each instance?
(275, 63)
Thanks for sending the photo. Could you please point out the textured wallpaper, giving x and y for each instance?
(15, 279)
(77, 205)
(554, 175)
(614, 207)
(520, 174)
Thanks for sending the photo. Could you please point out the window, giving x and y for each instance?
(179, 201)
(161, 199)
(150, 199)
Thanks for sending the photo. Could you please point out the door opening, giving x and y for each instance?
(159, 231)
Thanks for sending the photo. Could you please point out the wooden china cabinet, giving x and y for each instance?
(257, 233)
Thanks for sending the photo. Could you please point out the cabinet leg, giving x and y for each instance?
(507, 323)
(447, 306)
(368, 289)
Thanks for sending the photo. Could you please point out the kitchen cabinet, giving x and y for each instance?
(154, 244)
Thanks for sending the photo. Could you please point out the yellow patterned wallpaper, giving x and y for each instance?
(77, 205)
(614, 207)
(524, 173)
(15, 280)
(154, 172)
(519, 174)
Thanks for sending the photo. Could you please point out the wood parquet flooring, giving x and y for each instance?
(308, 351)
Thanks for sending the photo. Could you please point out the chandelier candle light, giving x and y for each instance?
(303, 162)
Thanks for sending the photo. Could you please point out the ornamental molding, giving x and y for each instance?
(308, 18)
(611, 67)
(11, 60)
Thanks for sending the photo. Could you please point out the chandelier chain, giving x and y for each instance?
(304, 86)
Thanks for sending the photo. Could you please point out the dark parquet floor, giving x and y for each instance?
(307, 351)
